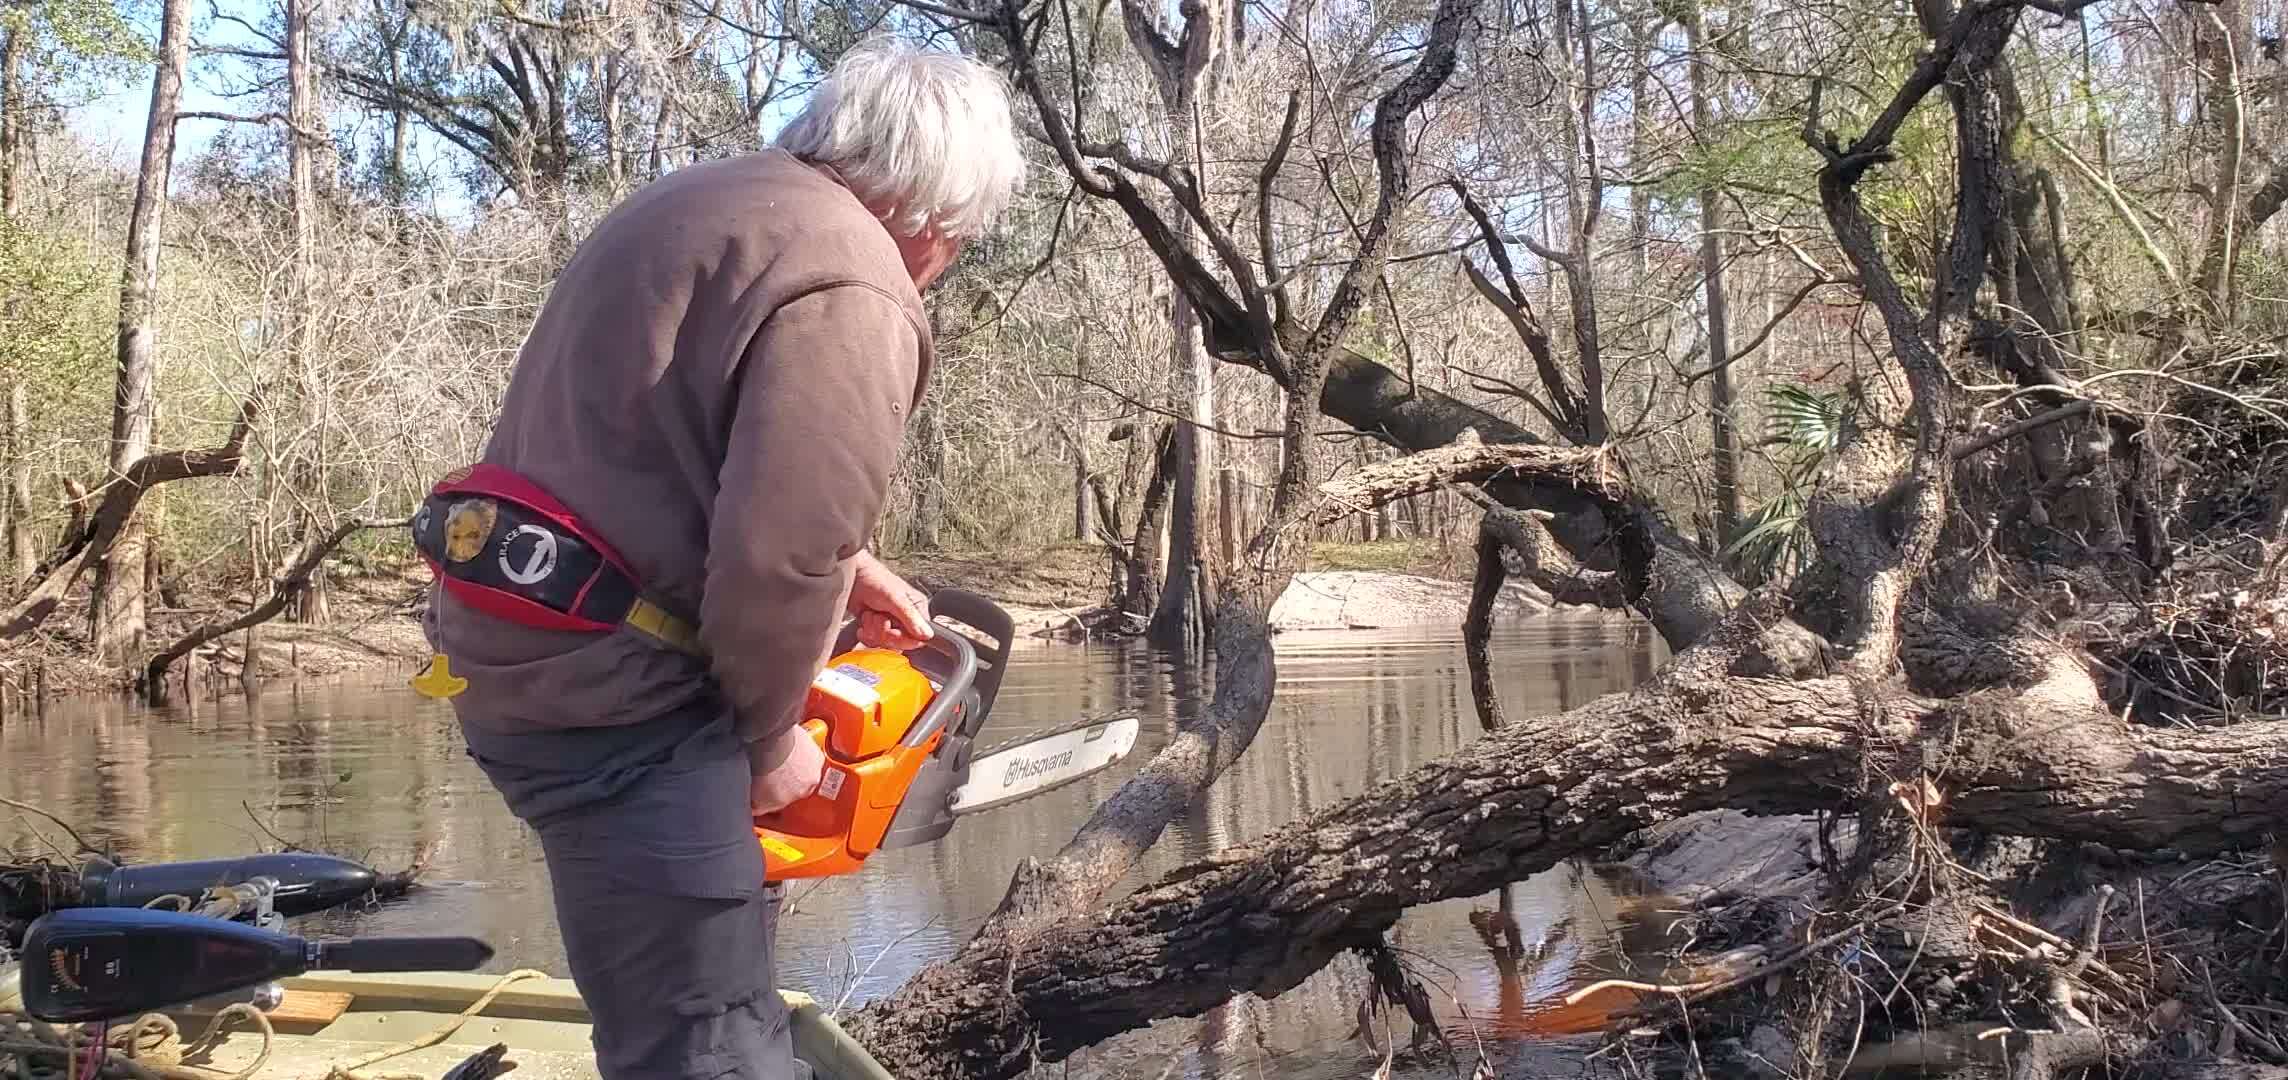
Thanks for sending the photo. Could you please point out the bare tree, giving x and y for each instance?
(115, 610)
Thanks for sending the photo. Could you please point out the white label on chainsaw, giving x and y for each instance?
(839, 682)
(830, 784)
(1043, 763)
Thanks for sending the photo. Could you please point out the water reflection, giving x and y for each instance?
(376, 772)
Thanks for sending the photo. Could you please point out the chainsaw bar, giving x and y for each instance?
(1042, 761)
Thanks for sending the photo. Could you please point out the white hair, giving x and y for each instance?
(925, 136)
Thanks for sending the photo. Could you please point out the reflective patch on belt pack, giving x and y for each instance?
(468, 524)
(782, 849)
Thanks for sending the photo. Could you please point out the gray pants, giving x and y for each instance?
(668, 928)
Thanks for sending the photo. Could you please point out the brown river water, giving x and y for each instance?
(371, 770)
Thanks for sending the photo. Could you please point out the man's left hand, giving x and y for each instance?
(891, 613)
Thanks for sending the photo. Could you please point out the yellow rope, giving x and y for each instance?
(349, 1071)
(29, 1042)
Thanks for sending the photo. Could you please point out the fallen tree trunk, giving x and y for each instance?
(60, 571)
(1261, 917)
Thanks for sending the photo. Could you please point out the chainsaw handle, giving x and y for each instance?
(955, 646)
(973, 610)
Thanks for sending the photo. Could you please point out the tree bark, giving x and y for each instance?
(1146, 560)
(309, 602)
(12, 117)
(1725, 455)
(115, 614)
(19, 494)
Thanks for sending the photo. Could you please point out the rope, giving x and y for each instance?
(349, 1071)
(148, 1049)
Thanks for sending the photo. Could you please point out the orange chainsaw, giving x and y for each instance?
(899, 732)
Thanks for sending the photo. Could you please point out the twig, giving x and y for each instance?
(266, 831)
(1706, 987)
(860, 977)
(2088, 950)
(84, 846)
(2003, 917)
(2272, 1051)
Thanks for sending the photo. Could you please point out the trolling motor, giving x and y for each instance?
(302, 882)
(87, 964)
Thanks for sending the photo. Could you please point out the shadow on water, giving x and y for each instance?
(376, 772)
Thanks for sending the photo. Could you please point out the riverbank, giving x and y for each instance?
(1050, 593)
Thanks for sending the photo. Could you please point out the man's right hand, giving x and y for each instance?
(786, 768)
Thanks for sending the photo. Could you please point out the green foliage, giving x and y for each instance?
(64, 42)
(54, 292)
(1806, 424)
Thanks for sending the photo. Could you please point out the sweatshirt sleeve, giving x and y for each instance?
(819, 415)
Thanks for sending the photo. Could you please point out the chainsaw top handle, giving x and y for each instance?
(986, 617)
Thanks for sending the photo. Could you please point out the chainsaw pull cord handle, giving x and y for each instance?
(940, 707)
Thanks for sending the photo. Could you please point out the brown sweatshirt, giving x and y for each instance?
(718, 385)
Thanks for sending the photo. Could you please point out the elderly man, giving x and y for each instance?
(650, 563)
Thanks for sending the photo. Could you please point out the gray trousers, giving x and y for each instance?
(668, 928)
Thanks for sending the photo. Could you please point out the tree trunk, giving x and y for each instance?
(16, 504)
(1177, 621)
(310, 602)
(615, 172)
(1079, 440)
(12, 116)
(2220, 36)
(21, 558)
(1725, 453)
(115, 613)
(1080, 496)
(1146, 561)
(928, 529)
(397, 185)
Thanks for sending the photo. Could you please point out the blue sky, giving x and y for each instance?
(112, 115)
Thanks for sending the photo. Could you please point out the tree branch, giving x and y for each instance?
(1272, 164)
(113, 513)
(289, 583)
(1591, 471)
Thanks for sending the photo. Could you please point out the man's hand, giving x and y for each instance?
(891, 614)
(786, 768)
